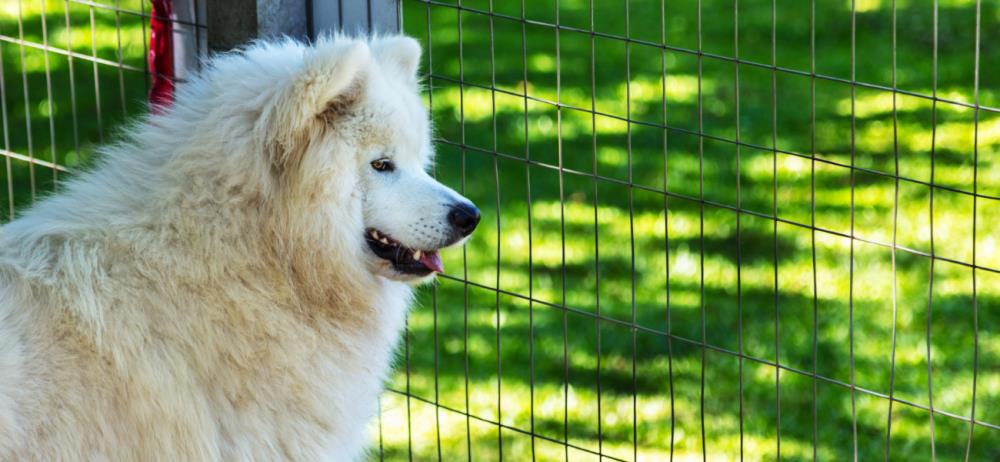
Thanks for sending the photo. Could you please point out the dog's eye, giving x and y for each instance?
(383, 165)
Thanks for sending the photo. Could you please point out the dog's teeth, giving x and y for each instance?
(374, 234)
(384, 240)
(416, 254)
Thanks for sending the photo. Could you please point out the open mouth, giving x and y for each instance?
(404, 259)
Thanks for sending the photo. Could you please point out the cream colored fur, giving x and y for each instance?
(205, 292)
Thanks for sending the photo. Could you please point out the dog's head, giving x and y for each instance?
(408, 215)
(346, 142)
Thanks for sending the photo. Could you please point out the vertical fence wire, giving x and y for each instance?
(496, 184)
(930, 282)
(631, 228)
(701, 225)
(409, 391)
(49, 97)
(72, 75)
(853, 237)
(739, 222)
(27, 103)
(895, 225)
(8, 168)
(531, 253)
(465, 255)
(774, 224)
(562, 221)
(812, 224)
(975, 222)
(597, 251)
(434, 289)
(97, 76)
(666, 227)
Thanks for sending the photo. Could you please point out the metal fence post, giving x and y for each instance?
(190, 36)
(234, 22)
(355, 16)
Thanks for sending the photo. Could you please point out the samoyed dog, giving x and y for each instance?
(230, 281)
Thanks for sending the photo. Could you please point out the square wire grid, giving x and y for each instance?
(712, 229)
(70, 72)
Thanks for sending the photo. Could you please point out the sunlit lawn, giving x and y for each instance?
(700, 271)
(603, 247)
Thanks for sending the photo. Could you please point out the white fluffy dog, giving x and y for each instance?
(230, 282)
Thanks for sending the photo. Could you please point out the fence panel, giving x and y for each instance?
(711, 230)
(70, 72)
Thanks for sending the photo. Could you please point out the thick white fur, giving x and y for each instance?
(205, 292)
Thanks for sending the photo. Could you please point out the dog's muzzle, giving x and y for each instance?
(463, 217)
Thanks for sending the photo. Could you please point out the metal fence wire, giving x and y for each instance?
(712, 229)
(73, 70)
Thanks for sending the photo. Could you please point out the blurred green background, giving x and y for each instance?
(584, 239)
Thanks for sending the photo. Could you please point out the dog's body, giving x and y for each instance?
(212, 290)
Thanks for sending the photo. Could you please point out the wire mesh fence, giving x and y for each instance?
(713, 229)
(717, 230)
(70, 72)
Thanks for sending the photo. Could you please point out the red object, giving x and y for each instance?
(161, 55)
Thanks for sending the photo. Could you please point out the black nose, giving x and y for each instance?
(464, 217)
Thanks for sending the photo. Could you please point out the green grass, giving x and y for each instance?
(673, 264)
(49, 124)
(550, 229)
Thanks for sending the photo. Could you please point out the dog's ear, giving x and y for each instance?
(399, 54)
(333, 75)
(329, 81)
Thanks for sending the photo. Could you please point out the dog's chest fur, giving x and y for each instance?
(304, 387)
(232, 371)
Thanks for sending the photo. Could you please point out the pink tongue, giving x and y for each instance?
(432, 261)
